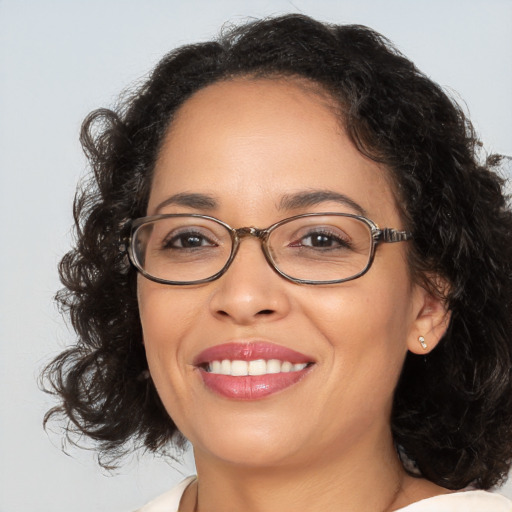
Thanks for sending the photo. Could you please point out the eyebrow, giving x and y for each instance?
(302, 200)
(299, 200)
(190, 200)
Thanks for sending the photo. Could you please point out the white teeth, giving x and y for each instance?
(286, 366)
(273, 366)
(258, 367)
(240, 368)
(225, 367)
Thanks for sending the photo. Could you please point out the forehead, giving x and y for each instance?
(261, 139)
(243, 93)
(255, 107)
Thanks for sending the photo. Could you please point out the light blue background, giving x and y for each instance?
(61, 59)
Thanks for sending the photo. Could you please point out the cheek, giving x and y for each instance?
(165, 319)
(360, 310)
(366, 327)
(164, 311)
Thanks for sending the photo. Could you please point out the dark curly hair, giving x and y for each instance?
(452, 414)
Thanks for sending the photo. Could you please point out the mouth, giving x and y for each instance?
(251, 371)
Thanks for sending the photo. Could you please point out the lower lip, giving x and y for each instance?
(251, 387)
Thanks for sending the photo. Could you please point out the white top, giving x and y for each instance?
(466, 501)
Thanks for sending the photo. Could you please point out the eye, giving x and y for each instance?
(188, 239)
(321, 238)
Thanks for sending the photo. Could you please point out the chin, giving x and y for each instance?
(251, 455)
(249, 445)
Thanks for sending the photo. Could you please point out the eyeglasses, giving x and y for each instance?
(313, 248)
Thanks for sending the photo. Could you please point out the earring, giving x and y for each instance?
(144, 375)
(421, 339)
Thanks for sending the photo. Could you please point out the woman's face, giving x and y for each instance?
(249, 147)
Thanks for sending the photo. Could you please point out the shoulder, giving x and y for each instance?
(169, 501)
(466, 501)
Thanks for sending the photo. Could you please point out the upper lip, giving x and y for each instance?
(249, 351)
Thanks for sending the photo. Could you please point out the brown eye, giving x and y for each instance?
(187, 240)
(321, 239)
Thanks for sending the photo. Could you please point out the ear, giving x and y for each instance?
(431, 318)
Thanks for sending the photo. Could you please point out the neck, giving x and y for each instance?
(364, 478)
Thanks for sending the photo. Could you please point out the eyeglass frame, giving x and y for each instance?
(378, 235)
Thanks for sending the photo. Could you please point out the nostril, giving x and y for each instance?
(265, 312)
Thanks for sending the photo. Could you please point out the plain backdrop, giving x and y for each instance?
(61, 59)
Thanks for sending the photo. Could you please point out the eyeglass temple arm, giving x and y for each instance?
(390, 235)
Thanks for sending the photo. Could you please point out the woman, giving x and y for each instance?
(360, 360)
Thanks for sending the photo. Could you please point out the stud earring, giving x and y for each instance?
(421, 339)
(144, 375)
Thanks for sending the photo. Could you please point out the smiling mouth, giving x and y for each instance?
(251, 370)
(239, 368)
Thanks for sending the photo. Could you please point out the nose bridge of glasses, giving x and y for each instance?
(250, 231)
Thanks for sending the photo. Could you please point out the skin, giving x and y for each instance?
(324, 443)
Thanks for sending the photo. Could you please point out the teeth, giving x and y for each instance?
(239, 368)
(225, 367)
(273, 366)
(258, 367)
(286, 366)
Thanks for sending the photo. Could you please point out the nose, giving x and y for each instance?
(250, 291)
